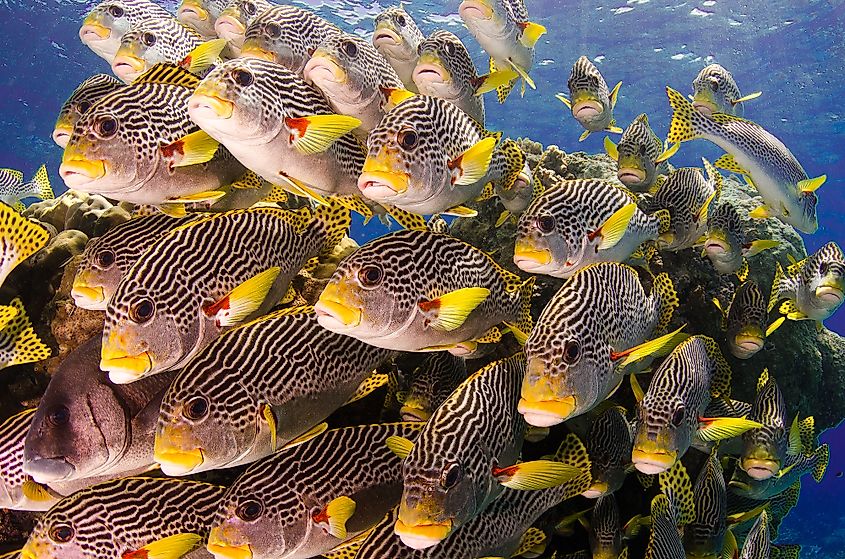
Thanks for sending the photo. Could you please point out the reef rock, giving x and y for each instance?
(90, 213)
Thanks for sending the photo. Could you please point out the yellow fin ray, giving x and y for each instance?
(448, 312)
(400, 446)
(537, 474)
(316, 133)
(474, 162)
(171, 547)
(244, 299)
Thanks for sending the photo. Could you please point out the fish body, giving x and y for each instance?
(704, 537)
(204, 277)
(151, 42)
(344, 482)
(108, 21)
(794, 468)
(235, 19)
(575, 223)
(130, 517)
(214, 417)
(764, 450)
(664, 540)
(431, 384)
(745, 321)
(605, 532)
(13, 189)
(83, 98)
(201, 15)
(813, 287)
(590, 100)
(397, 37)
(609, 446)
(638, 156)
(787, 192)
(715, 91)
(574, 352)
(421, 291)
(758, 542)
(724, 242)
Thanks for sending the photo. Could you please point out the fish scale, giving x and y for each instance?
(683, 194)
(172, 43)
(704, 536)
(114, 518)
(117, 17)
(83, 97)
(401, 54)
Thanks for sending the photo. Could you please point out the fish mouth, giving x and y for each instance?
(746, 345)
(90, 297)
(222, 550)
(760, 470)
(596, 490)
(587, 109)
(209, 106)
(173, 461)
(48, 470)
(386, 37)
(630, 175)
(830, 294)
(704, 107)
(121, 366)
(254, 51)
(409, 413)
(229, 27)
(528, 258)
(422, 536)
(333, 314)
(61, 135)
(651, 463)
(191, 11)
(428, 73)
(475, 9)
(92, 32)
(322, 67)
(127, 66)
(78, 172)
(381, 185)
(715, 247)
(546, 413)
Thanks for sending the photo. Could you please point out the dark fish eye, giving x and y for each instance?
(450, 48)
(249, 511)
(370, 276)
(116, 11)
(678, 416)
(148, 39)
(273, 30)
(571, 352)
(349, 48)
(243, 77)
(249, 8)
(545, 224)
(714, 85)
(58, 416)
(142, 311)
(105, 127)
(61, 534)
(642, 149)
(105, 258)
(451, 475)
(408, 139)
(400, 20)
(197, 408)
(83, 106)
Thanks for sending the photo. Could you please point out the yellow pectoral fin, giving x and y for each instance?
(701, 215)
(299, 188)
(657, 346)
(669, 152)
(758, 246)
(584, 135)
(562, 98)
(719, 428)
(614, 95)
(400, 446)
(611, 148)
(195, 148)
(474, 162)
(206, 196)
(316, 133)
(461, 211)
(311, 433)
(495, 80)
(336, 514)
(523, 74)
(795, 445)
(244, 299)
(636, 388)
(761, 212)
(614, 129)
(811, 185)
(748, 97)
(37, 492)
(203, 56)
(612, 230)
(531, 33)
(270, 418)
(538, 474)
(394, 96)
(503, 217)
(171, 547)
(448, 312)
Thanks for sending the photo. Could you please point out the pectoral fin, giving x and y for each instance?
(811, 185)
(562, 98)
(448, 312)
(473, 164)
(531, 33)
(612, 230)
(538, 474)
(712, 429)
(335, 514)
(243, 300)
(748, 97)
(669, 152)
(204, 56)
(657, 346)
(316, 133)
(171, 547)
(195, 148)
(611, 149)
(311, 433)
(400, 446)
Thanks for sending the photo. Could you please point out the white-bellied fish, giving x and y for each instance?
(235, 19)
(609, 446)
(430, 384)
(397, 37)
(13, 189)
(744, 320)
(726, 243)
(715, 91)
(83, 98)
(640, 155)
(813, 287)
(107, 22)
(201, 15)
(590, 101)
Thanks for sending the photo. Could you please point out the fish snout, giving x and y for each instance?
(47, 470)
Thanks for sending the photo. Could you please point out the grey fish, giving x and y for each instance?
(108, 21)
(590, 101)
(813, 287)
(715, 91)
(235, 19)
(640, 156)
(609, 447)
(431, 384)
(201, 15)
(398, 38)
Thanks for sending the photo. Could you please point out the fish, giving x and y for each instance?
(429, 157)
(587, 336)
(88, 427)
(106, 259)
(201, 15)
(18, 491)
(418, 291)
(671, 412)
(687, 195)
(176, 299)
(705, 536)
(605, 529)
(345, 482)
(13, 189)
(640, 155)
(793, 469)
(138, 145)
(21, 238)
(83, 98)
(502, 29)
(108, 21)
(671, 511)
(397, 37)
(431, 384)
(744, 321)
(126, 518)
(787, 192)
(235, 19)
(715, 91)
(19, 343)
(445, 69)
(726, 243)
(286, 35)
(353, 77)
(609, 446)
(575, 223)
(758, 543)
(813, 287)
(212, 416)
(590, 101)
(448, 479)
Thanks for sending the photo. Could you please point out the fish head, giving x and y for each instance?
(635, 167)
(60, 536)
(346, 68)
(609, 448)
(761, 453)
(83, 98)
(235, 19)
(200, 15)
(97, 276)
(747, 341)
(247, 525)
(589, 95)
(148, 43)
(713, 90)
(270, 37)
(396, 35)
(442, 60)
(486, 17)
(829, 282)
(664, 432)
(104, 25)
(719, 244)
(545, 242)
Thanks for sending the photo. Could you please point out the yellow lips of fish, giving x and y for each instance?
(831, 289)
(430, 62)
(652, 457)
(90, 294)
(93, 29)
(630, 169)
(540, 406)
(123, 367)
(704, 102)
(229, 24)
(208, 95)
(325, 65)
(76, 169)
(596, 490)
(335, 304)
(525, 251)
(175, 449)
(32, 550)
(383, 170)
(252, 50)
(192, 7)
(421, 536)
(476, 9)
(386, 33)
(760, 468)
(128, 56)
(219, 546)
(586, 100)
(749, 339)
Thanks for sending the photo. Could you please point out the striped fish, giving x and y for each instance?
(640, 156)
(83, 98)
(590, 101)
(744, 321)
(813, 287)
(397, 37)
(201, 15)
(344, 482)
(431, 383)
(109, 20)
(609, 447)
(126, 518)
(578, 351)
(13, 189)
(18, 491)
(704, 537)
(758, 543)
(215, 417)
(206, 276)
(793, 469)
(715, 91)
(575, 223)
(605, 529)
(235, 19)
(726, 244)
(423, 291)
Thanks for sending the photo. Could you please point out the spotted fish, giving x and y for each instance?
(744, 321)
(590, 101)
(214, 417)
(575, 223)
(398, 38)
(726, 243)
(609, 447)
(126, 518)
(715, 91)
(13, 189)
(19, 342)
(83, 98)
(176, 299)
(235, 19)
(794, 468)
(108, 21)
(640, 156)
(423, 291)
(201, 15)
(787, 192)
(813, 287)
(345, 481)
(430, 384)
(587, 336)
(21, 239)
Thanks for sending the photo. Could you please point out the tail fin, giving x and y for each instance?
(19, 342)
(41, 184)
(21, 239)
(684, 118)
(667, 301)
(775, 295)
(664, 221)
(511, 159)
(334, 221)
(524, 323)
(676, 485)
(822, 458)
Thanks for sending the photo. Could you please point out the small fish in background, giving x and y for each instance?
(201, 15)
(793, 469)
(83, 98)
(233, 22)
(787, 192)
(353, 77)
(21, 238)
(422, 291)
(18, 491)
(346, 481)
(135, 517)
(428, 157)
(715, 91)
(813, 287)
(726, 243)
(604, 529)
(502, 29)
(744, 320)
(397, 37)
(286, 35)
(430, 384)
(598, 324)
(609, 446)
(640, 155)
(575, 223)
(13, 189)
(107, 22)
(590, 101)
(705, 535)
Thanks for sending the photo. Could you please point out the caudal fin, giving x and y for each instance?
(21, 238)
(667, 301)
(41, 184)
(684, 118)
(18, 341)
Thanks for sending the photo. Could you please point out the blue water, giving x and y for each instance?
(793, 52)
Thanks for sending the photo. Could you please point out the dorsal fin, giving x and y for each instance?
(168, 74)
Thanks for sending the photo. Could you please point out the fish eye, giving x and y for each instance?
(408, 139)
(249, 8)
(58, 416)
(273, 30)
(105, 259)
(545, 224)
(714, 85)
(142, 311)
(61, 533)
(400, 20)
(370, 276)
(116, 11)
(249, 510)
(349, 48)
(571, 352)
(642, 149)
(105, 127)
(450, 48)
(148, 39)
(451, 475)
(83, 106)
(197, 408)
(243, 77)
(678, 416)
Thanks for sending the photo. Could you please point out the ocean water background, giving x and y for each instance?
(794, 52)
